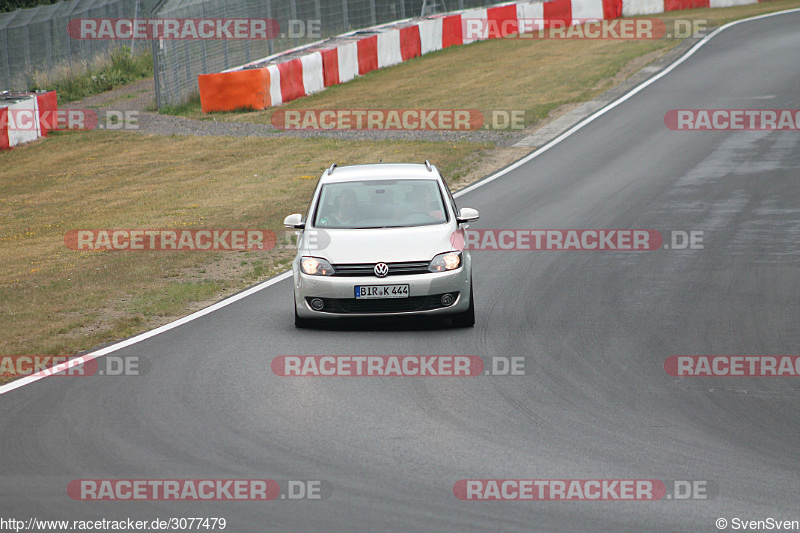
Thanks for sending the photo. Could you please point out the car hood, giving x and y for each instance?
(389, 245)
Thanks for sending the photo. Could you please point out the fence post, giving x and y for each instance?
(135, 16)
(156, 63)
(7, 62)
(64, 21)
(293, 15)
(225, 55)
(270, 42)
(344, 16)
(26, 50)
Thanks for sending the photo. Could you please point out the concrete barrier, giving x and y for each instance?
(339, 60)
(25, 117)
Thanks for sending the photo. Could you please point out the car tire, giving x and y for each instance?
(467, 318)
(302, 323)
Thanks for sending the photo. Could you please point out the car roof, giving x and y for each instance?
(396, 171)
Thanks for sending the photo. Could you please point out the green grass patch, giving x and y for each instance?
(191, 107)
(173, 298)
(78, 81)
(59, 301)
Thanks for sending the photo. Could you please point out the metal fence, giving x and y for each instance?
(36, 39)
(178, 62)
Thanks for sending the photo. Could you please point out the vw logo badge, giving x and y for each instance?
(381, 270)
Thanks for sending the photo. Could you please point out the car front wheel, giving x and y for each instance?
(467, 318)
(302, 323)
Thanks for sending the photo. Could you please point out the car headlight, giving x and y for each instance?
(445, 261)
(315, 266)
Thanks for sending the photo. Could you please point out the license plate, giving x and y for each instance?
(373, 292)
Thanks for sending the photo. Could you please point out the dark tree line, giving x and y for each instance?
(11, 5)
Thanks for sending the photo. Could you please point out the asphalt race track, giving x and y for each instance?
(595, 329)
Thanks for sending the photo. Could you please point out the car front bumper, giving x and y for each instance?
(424, 297)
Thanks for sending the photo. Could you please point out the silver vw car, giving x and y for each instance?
(382, 240)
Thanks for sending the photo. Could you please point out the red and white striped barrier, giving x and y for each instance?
(339, 60)
(583, 10)
(389, 48)
(729, 3)
(430, 35)
(475, 26)
(25, 117)
(651, 7)
(533, 12)
(347, 61)
(631, 8)
(313, 79)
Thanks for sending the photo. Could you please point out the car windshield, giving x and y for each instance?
(380, 204)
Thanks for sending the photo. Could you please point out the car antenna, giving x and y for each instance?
(330, 170)
(428, 165)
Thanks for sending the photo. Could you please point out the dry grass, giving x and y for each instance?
(67, 70)
(719, 16)
(81, 78)
(507, 75)
(59, 301)
(532, 75)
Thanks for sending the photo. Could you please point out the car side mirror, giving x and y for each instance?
(294, 221)
(467, 214)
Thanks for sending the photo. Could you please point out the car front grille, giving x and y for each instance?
(386, 305)
(368, 269)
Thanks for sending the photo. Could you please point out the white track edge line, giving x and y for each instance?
(615, 103)
(21, 382)
(142, 336)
